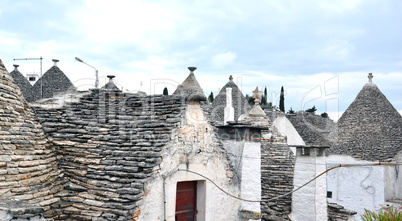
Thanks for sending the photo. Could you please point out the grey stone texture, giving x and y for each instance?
(53, 81)
(28, 165)
(314, 129)
(21, 82)
(239, 102)
(339, 213)
(110, 85)
(109, 145)
(277, 169)
(190, 88)
(13, 209)
(371, 128)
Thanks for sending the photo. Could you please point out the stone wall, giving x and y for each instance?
(277, 166)
(339, 213)
(13, 209)
(28, 166)
(108, 144)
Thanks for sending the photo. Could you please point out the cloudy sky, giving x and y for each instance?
(320, 51)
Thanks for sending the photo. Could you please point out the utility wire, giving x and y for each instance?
(283, 195)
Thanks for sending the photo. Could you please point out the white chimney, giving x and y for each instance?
(229, 110)
(55, 62)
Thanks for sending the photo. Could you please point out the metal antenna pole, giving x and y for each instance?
(40, 58)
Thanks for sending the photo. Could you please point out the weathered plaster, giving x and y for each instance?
(193, 147)
(355, 188)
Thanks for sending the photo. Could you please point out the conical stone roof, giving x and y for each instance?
(191, 88)
(239, 102)
(110, 86)
(21, 81)
(28, 165)
(53, 81)
(371, 128)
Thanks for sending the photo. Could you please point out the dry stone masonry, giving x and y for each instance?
(109, 144)
(28, 164)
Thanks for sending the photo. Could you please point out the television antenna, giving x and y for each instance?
(40, 58)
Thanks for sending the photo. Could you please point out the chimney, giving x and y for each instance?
(229, 110)
(55, 62)
(192, 69)
(15, 67)
(111, 77)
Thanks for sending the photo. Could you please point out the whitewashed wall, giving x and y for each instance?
(251, 176)
(393, 183)
(309, 203)
(355, 188)
(286, 128)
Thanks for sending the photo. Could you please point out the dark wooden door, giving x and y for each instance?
(186, 201)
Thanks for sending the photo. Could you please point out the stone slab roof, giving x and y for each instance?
(314, 129)
(53, 81)
(239, 102)
(21, 82)
(109, 144)
(28, 165)
(191, 88)
(371, 128)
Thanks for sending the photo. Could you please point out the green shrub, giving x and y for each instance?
(384, 214)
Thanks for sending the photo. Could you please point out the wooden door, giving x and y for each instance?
(186, 201)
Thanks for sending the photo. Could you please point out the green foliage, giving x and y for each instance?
(267, 106)
(291, 111)
(282, 100)
(312, 110)
(250, 100)
(324, 115)
(211, 97)
(165, 91)
(384, 214)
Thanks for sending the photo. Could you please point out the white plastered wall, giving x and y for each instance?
(309, 203)
(286, 128)
(251, 176)
(355, 188)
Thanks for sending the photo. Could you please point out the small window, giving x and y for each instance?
(329, 194)
(32, 78)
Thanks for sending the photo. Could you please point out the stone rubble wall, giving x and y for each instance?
(13, 209)
(339, 213)
(28, 165)
(277, 168)
(109, 145)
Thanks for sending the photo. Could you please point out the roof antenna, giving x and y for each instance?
(40, 58)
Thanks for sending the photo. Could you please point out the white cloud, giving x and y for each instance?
(223, 59)
(337, 49)
(340, 6)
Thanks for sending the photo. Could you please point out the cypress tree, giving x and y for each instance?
(165, 91)
(282, 100)
(264, 97)
(211, 97)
